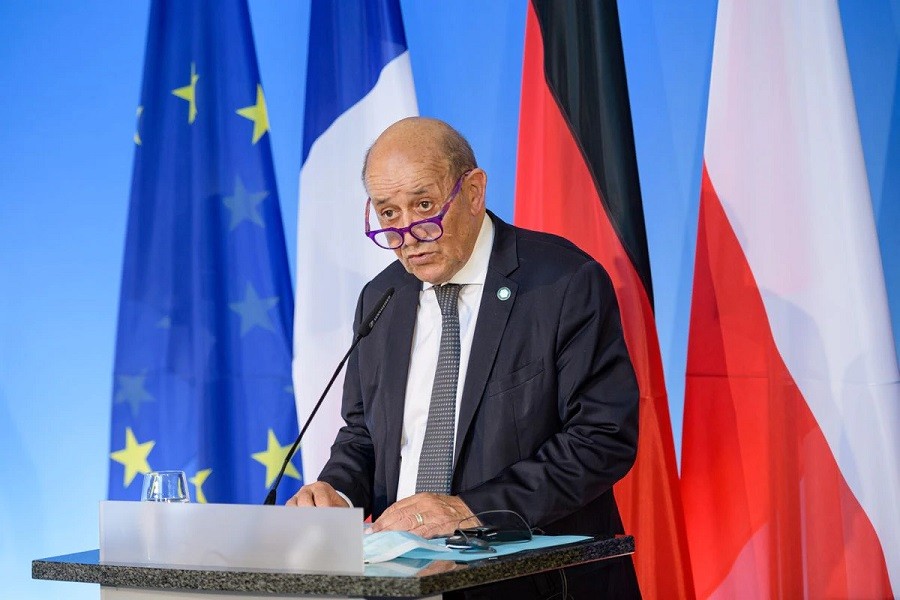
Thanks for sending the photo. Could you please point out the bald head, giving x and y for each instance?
(427, 139)
(424, 170)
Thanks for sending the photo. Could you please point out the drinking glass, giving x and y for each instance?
(165, 486)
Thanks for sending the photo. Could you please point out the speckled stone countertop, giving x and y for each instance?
(399, 578)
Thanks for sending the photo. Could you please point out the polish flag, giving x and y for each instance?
(791, 456)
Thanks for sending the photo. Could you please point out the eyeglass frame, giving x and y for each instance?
(483, 538)
(402, 231)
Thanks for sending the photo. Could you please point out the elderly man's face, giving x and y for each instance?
(405, 189)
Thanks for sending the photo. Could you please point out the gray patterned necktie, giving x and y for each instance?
(436, 460)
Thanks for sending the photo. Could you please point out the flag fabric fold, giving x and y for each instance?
(202, 370)
(359, 81)
(577, 177)
(791, 456)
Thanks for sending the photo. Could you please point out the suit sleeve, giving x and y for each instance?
(351, 467)
(597, 401)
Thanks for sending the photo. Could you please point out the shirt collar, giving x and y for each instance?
(475, 269)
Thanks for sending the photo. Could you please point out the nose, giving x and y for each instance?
(409, 239)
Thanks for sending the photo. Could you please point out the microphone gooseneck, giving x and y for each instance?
(365, 328)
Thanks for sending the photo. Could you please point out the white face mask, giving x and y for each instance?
(388, 545)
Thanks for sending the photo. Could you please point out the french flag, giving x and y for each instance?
(791, 456)
(359, 81)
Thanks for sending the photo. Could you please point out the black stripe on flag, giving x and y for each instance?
(584, 67)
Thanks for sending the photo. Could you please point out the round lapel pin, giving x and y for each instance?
(504, 293)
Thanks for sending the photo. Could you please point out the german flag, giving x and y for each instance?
(578, 178)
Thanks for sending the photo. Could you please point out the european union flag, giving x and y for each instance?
(202, 377)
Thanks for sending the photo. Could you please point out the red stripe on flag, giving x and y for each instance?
(769, 511)
(556, 193)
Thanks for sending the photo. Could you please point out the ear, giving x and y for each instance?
(475, 186)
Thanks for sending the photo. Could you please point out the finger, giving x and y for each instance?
(326, 496)
(319, 496)
(438, 524)
(436, 516)
(408, 503)
(433, 531)
(390, 516)
(397, 520)
(401, 516)
(442, 516)
(339, 501)
(301, 498)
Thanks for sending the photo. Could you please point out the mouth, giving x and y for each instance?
(420, 258)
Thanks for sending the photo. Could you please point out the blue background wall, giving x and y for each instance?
(70, 76)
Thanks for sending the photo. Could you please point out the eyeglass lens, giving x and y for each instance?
(426, 231)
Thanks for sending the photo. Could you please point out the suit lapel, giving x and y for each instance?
(396, 370)
(493, 314)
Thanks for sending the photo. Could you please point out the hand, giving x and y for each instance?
(439, 515)
(317, 493)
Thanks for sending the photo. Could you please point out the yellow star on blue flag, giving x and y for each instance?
(258, 114)
(133, 456)
(203, 347)
(198, 480)
(189, 93)
(273, 457)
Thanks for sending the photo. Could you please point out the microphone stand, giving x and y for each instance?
(365, 329)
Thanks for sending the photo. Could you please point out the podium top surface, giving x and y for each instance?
(399, 578)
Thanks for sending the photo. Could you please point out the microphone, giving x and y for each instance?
(365, 328)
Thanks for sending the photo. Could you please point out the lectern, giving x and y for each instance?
(200, 552)
(399, 578)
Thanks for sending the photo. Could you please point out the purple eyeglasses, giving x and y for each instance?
(426, 230)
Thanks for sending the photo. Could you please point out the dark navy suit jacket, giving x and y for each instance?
(549, 412)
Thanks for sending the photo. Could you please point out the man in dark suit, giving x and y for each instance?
(545, 415)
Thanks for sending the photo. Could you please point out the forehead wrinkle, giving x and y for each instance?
(414, 194)
(420, 187)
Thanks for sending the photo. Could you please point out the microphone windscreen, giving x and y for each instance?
(365, 328)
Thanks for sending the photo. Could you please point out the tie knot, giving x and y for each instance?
(447, 296)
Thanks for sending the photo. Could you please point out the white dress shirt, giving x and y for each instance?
(424, 355)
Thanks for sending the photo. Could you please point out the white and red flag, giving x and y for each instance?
(791, 455)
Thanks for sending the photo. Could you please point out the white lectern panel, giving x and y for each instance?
(274, 538)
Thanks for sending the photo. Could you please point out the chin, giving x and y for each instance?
(428, 274)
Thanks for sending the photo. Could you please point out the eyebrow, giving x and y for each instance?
(422, 191)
